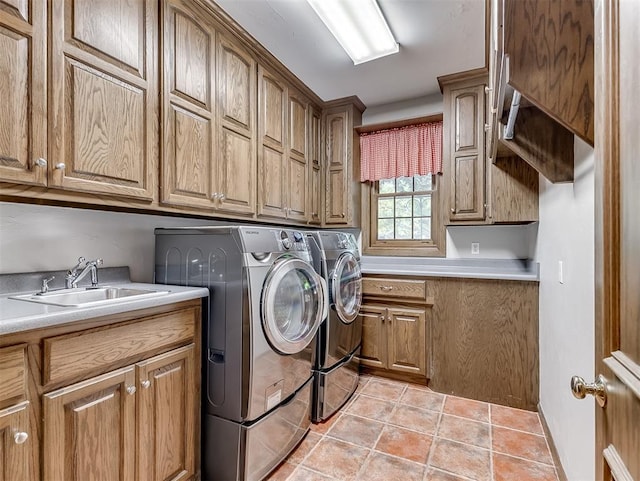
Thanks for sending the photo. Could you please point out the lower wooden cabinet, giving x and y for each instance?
(395, 338)
(92, 428)
(114, 398)
(15, 443)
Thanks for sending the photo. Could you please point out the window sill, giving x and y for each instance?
(429, 251)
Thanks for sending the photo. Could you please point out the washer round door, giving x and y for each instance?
(346, 287)
(293, 305)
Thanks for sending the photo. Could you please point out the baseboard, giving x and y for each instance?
(562, 476)
(397, 376)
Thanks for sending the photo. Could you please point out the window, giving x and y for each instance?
(403, 208)
(403, 217)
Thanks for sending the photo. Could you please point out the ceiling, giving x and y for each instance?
(436, 37)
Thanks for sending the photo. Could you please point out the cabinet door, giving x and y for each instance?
(104, 97)
(297, 165)
(15, 443)
(314, 133)
(89, 429)
(236, 89)
(406, 331)
(189, 156)
(374, 341)
(167, 411)
(337, 180)
(272, 167)
(466, 146)
(23, 128)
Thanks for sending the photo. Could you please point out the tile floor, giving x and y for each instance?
(396, 431)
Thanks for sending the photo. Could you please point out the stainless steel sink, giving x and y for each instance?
(89, 297)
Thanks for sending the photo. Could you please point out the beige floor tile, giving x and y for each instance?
(388, 391)
(337, 459)
(371, 408)
(356, 430)
(516, 419)
(507, 468)
(422, 399)
(467, 408)
(464, 431)
(414, 418)
(521, 444)
(380, 467)
(405, 444)
(461, 459)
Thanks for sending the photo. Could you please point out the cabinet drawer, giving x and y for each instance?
(71, 355)
(13, 373)
(395, 288)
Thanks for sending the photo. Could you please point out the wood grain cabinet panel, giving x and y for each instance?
(16, 440)
(13, 375)
(413, 289)
(236, 88)
(466, 133)
(272, 127)
(104, 98)
(297, 155)
(395, 339)
(342, 161)
(89, 429)
(189, 168)
(167, 421)
(23, 94)
(315, 166)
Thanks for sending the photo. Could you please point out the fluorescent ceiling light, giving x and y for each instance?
(359, 27)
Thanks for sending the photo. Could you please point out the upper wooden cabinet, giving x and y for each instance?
(237, 133)
(481, 191)
(23, 94)
(104, 97)
(542, 50)
(314, 149)
(283, 172)
(342, 162)
(189, 167)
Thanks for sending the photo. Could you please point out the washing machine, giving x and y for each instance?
(265, 306)
(336, 368)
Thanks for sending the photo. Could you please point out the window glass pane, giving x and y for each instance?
(385, 208)
(422, 228)
(403, 228)
(421, 205)
(422, 183)
(385, 229)
(403, 206)
(404, 184)
(386, 186)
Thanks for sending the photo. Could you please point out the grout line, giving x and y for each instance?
(524, 459)
(433, 439)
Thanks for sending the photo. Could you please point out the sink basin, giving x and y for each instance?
(89, 297)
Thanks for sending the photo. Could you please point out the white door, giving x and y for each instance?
(293, 305)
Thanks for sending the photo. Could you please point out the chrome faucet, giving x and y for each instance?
(73, 277)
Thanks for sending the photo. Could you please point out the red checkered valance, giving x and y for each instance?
(403, 152)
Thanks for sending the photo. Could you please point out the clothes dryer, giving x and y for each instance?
(337, 259)
(265, 306)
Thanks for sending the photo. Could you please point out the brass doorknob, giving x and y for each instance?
(580, 389)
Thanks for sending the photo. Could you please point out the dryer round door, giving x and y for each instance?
(293, 305)
(346, 287)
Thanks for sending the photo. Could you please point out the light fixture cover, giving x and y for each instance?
(359, 27)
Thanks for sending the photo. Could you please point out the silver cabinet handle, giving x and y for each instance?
(386, 288)
(214, 196)
(453, 211)
(343, 215)
(222, 197)
(40, 162)
(131, 390)
(487, 89)
(20, 437)
(60, 166)
(145, 384)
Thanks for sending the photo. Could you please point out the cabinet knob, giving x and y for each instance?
(131, 390)
(60, 166)
(222, 197)
(20, 437)
(487, 89)
(487, 127)
(453, 211)
(214, 196)
(386, 288)
(145, 384)
(40, 162)
(343, 215)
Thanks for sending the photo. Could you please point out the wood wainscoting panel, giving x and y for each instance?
(485, 340)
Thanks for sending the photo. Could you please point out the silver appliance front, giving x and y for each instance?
(335, 387)
(288, 303)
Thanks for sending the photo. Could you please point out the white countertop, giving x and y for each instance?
(19, 315)
(501, 269)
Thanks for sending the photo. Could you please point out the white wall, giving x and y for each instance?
(566, 233)
(496, 241)
(407, 109)
(41, 238)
